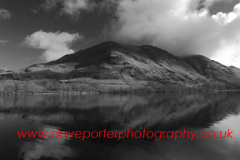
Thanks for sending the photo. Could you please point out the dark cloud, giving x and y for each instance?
(73, 8)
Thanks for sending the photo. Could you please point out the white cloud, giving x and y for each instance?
(228, 18)
(56, 45)
(228, 54)
(2, 42)
(70, 7)
(5, 14)
(179, 27)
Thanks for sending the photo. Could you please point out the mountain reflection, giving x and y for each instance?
(123, 111)
(208, 111)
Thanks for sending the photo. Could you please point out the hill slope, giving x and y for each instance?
(215, 71)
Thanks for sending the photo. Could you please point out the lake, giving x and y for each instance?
(153, 112)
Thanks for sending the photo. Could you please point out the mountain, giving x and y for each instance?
(111, 66)
(3, 70)
(213, 70)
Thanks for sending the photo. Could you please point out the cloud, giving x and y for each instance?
(2, 42)
(179, 27)
(209, 3)
(69, 7)
(54, 44)
(5, 14)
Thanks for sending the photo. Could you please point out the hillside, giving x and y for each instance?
(115, 67)
(213, 70)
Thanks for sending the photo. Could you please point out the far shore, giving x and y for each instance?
(111, 92)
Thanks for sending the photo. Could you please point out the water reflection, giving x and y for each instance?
(54, 148)
(197, 112)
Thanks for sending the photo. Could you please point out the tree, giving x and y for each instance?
(16, 88)
(30, 87)
(48, 85)
(1, 87)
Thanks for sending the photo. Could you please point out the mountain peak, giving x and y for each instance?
(108, 44)
(197, 56)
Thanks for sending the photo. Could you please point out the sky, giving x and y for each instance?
(38, 31)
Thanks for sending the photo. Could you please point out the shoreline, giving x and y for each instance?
(112, 92)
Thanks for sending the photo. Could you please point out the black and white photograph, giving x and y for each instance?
(119, 79)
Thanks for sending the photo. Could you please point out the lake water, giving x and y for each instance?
(158, 112)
